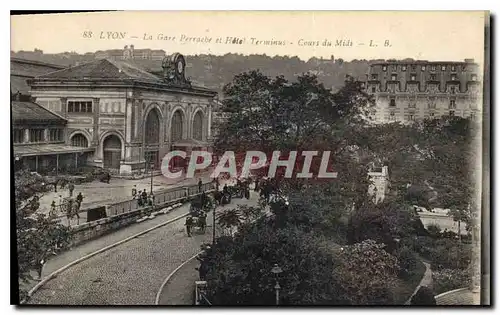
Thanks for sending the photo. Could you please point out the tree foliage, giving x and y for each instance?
(239, 268)
(385, 222)
(368, 274)
(38, 234)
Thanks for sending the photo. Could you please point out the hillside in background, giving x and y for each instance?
(215, 71)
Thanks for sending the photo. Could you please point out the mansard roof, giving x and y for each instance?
(109, 72)
(102, 69)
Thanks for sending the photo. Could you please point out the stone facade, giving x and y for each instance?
(413, 90)
(113, 113)
(380, 183)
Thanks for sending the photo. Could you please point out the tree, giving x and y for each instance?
(385, 222)
(273, 114)
(39, 235)
(230, 219)
(238, 269)
(367, 274)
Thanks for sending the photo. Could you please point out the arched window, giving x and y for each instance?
(79, 140)
(177, 126)
(198, 126)
(152, 134)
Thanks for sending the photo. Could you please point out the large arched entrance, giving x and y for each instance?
(112, 152)
(198, 126)
(152, 138)
(176, 135)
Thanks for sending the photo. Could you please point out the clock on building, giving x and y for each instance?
(180, 66)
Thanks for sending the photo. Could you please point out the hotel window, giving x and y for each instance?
(392, 102)
(452, 90)
(384, 68)
(473, 115)
(79, 106)
(423, 68)
(474, 77)
(453, 77)
(433, 68)
(452, 113)
(431, 105)
(452, 104)
(36, 135)
(433, 77)
(431, 114)
(411, 116)
(55, 135)
(394, 77)
(453, 68)
(374, 76)
(391, 116)
(413, 67)
(373, 89)
(403, 68)
(18, 136)
(443, 68)
(413, 77)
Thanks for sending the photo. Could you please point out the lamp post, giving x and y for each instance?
(277, 270)
(152, 168)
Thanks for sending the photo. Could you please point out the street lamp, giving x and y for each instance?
(152, 168)
(277, 270)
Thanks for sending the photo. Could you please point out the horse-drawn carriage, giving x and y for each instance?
(240, 190)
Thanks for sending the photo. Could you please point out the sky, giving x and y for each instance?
(424, 35)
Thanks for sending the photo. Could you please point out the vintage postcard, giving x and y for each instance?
(239, 158)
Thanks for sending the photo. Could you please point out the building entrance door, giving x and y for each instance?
(112, 152)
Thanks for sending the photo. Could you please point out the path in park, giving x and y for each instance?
(425, 282)
(131, 273)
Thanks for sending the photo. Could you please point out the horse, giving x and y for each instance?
(72, 208)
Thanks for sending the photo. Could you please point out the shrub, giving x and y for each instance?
(407, 262)
(449, 254)
(434, 230)
(446, 280)
(424, 296)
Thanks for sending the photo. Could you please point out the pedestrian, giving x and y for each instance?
(53, 207)
(108, 177)
(200, 183)
(189, 224)
(217, 184)
(39, 268)
(151, 198)
(144, 197)
(79, 199)
(134, 192)
(71, 188)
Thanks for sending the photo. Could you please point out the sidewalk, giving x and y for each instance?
(180, 288)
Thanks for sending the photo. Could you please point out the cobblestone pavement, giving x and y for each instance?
(129, 274)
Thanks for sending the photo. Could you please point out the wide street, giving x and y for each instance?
(131, 273)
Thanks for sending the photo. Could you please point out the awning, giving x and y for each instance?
(48, 149)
